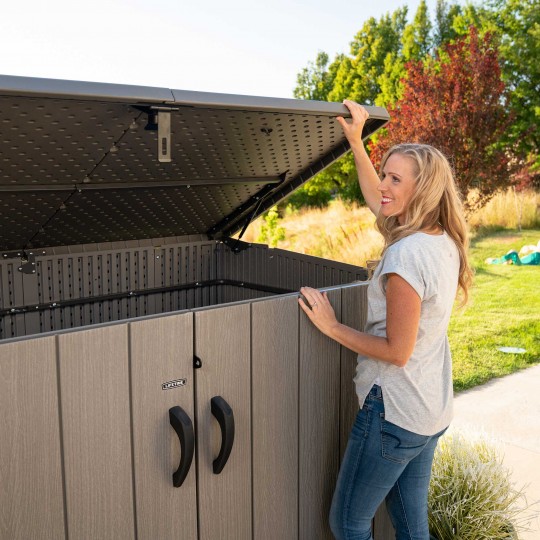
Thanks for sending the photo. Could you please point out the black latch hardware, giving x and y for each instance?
(28, 260)
(235, 245)
(28, 263)
(197, 362)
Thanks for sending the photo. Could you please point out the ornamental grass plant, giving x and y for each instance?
(471, 495)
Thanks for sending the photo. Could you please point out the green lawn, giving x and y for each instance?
(503, 311)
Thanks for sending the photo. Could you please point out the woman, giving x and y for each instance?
(404, 373)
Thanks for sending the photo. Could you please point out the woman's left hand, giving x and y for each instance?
(321, 313)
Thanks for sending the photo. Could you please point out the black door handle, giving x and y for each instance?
(224, 415)
(183, 426)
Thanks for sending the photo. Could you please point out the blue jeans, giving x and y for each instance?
(382, 461)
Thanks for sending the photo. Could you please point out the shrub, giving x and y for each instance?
(271, 233)
(471, 496)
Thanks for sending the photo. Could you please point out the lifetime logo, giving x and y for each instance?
(173, 384)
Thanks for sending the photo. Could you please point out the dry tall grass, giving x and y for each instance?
(509, 210)
(339, 232)
(347, 233)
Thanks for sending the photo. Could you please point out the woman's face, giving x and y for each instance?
(397, 186)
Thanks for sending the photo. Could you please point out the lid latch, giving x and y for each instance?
(164, 136)
(159, 119)
(28, 260)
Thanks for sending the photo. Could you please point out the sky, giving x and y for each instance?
(235, 46)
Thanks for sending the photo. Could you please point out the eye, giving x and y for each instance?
(395, 180)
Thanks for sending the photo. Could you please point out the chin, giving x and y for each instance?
(387, 212)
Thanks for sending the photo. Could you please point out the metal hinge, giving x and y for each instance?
(28, 260)
(235, 245)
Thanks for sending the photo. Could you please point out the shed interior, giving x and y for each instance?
(120, 201)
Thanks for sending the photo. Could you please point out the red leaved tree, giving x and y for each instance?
(456, 102)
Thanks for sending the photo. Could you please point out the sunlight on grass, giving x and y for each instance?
(503, 312)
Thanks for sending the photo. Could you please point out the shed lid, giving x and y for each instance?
(85, 162)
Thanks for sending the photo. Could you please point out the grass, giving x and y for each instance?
(503, 312)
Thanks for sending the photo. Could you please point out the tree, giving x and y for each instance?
(417, 35)
(357, 77)
(314, 81)
(516, 26)
(444, 19)
(518, 22)
(415, 44)
(457, 103)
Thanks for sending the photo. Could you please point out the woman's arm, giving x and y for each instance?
(367, 176)
(402, 320)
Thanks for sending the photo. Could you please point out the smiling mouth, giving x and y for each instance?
(385, 200)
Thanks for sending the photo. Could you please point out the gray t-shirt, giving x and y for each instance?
(418, 396)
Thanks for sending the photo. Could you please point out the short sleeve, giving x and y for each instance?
(400, 259)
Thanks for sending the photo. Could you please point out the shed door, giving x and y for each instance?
(31, 501)
(222, 342)
(161, 378)
(96, 425)
(120, 449)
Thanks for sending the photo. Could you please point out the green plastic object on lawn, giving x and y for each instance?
(512, 257)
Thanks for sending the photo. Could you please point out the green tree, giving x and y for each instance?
(416, 44)
(445, 14)
(417, 39)
(479, 16)
(518, 22)
(358, 76)
(314, 81)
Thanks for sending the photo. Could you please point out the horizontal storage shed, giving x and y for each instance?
(157, 379)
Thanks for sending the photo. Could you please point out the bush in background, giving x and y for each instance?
(271, 233)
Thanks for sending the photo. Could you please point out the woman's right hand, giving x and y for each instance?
(353, 130)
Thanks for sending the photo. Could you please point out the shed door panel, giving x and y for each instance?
(94, 379)
(275, 419)
(162, 351)
(222, 342)
(31, 501)
(353, 314)
(319, 425)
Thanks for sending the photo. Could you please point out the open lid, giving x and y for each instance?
(88, 162)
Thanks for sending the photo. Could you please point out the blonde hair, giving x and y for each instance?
(435, 203)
